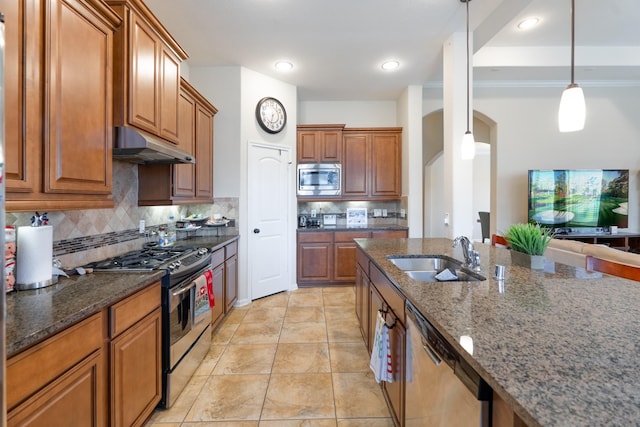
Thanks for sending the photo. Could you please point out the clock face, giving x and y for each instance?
(271, 115)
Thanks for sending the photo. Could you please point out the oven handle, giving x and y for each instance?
(184, 289)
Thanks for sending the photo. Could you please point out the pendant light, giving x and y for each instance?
(572, 111)
(468, 146)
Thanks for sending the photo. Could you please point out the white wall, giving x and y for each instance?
(235, 92)
(352, 113)
(528, 138)
(221, 86)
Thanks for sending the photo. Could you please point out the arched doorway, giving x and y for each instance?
(484, 130)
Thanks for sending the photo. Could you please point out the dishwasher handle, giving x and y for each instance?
(433, 355)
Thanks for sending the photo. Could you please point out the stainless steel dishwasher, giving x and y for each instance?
(441, 388)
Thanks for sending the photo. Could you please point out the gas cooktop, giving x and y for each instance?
(148, 259)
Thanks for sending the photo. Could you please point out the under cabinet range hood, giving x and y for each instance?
(138, 147)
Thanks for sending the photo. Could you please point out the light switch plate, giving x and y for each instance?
(377, 212)
(384, 213)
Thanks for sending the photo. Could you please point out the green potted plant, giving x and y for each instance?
(528, 243)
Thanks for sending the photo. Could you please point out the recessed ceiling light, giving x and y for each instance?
(390, 65)
(284, 65)
(528, 23)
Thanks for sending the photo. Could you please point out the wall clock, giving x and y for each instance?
(271, 115)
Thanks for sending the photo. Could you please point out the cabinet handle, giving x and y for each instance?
(431, 353)
(256, 230)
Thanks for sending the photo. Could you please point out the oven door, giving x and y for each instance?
(180, 309)
(189, 315)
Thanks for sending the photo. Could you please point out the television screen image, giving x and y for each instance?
(579, 197)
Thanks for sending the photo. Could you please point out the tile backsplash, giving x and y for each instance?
(375, 210)
(82, 236)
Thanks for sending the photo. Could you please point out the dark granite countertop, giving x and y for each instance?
(33, 316)
(371, 227)
(559, 345)
(211, 242)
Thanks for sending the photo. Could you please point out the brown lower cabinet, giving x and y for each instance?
(104, 370)
(375, 293)
(224, 264)
(329, 257)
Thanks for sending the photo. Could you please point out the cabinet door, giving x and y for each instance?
(386, 164)
(143, 84)
(218, 290)
(355, 164)
(78, 112)
(204, 153)
(330, 146)
(76, 398)
(307, 147)
(22, 147)
(169, 87)
(136, 367)
(314, 262)
(344, 255)
(184, 184)
(375, 303)
(231, 282)
(362, 303)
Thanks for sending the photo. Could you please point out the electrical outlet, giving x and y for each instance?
(141, 226)
(377, 213)
(313, 213)
(403, 213)
(384, 213)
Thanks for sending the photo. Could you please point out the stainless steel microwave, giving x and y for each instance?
(319, 179)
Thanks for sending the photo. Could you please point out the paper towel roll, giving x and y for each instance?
(34, 255)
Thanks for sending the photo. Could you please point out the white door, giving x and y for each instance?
(269, 198)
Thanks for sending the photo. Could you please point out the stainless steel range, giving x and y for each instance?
(186, 311)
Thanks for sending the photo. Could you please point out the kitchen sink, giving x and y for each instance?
(426, 263)
(426, 268)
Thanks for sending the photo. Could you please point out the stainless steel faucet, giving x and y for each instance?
(471, 256)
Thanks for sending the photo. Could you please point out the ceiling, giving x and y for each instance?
(337, 46)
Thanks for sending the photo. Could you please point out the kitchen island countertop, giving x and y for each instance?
(559, 345)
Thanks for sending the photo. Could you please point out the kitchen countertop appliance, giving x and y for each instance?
(186, 314)
(319, 179)
(441, 387)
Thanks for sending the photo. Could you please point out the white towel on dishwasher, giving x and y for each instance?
(381, 362)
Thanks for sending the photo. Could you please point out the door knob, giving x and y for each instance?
(256, 230)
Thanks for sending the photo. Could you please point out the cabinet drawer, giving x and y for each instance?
(217, 257)
(387, 291)
(36, 367)
(316, 237)
(231, 249)
(348, 236)
(129, 311)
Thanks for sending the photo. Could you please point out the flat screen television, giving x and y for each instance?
(579, 198)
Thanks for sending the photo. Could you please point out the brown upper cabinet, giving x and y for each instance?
(146, 72)
(58, 80)
(164, 184)
(372, 163)
(319, 143)
(371, 158)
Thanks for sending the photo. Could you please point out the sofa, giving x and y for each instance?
(573, 252)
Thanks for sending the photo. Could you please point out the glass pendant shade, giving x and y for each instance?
(468, 146)
(571, 116)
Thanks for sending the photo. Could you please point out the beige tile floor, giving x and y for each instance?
(293, 359)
